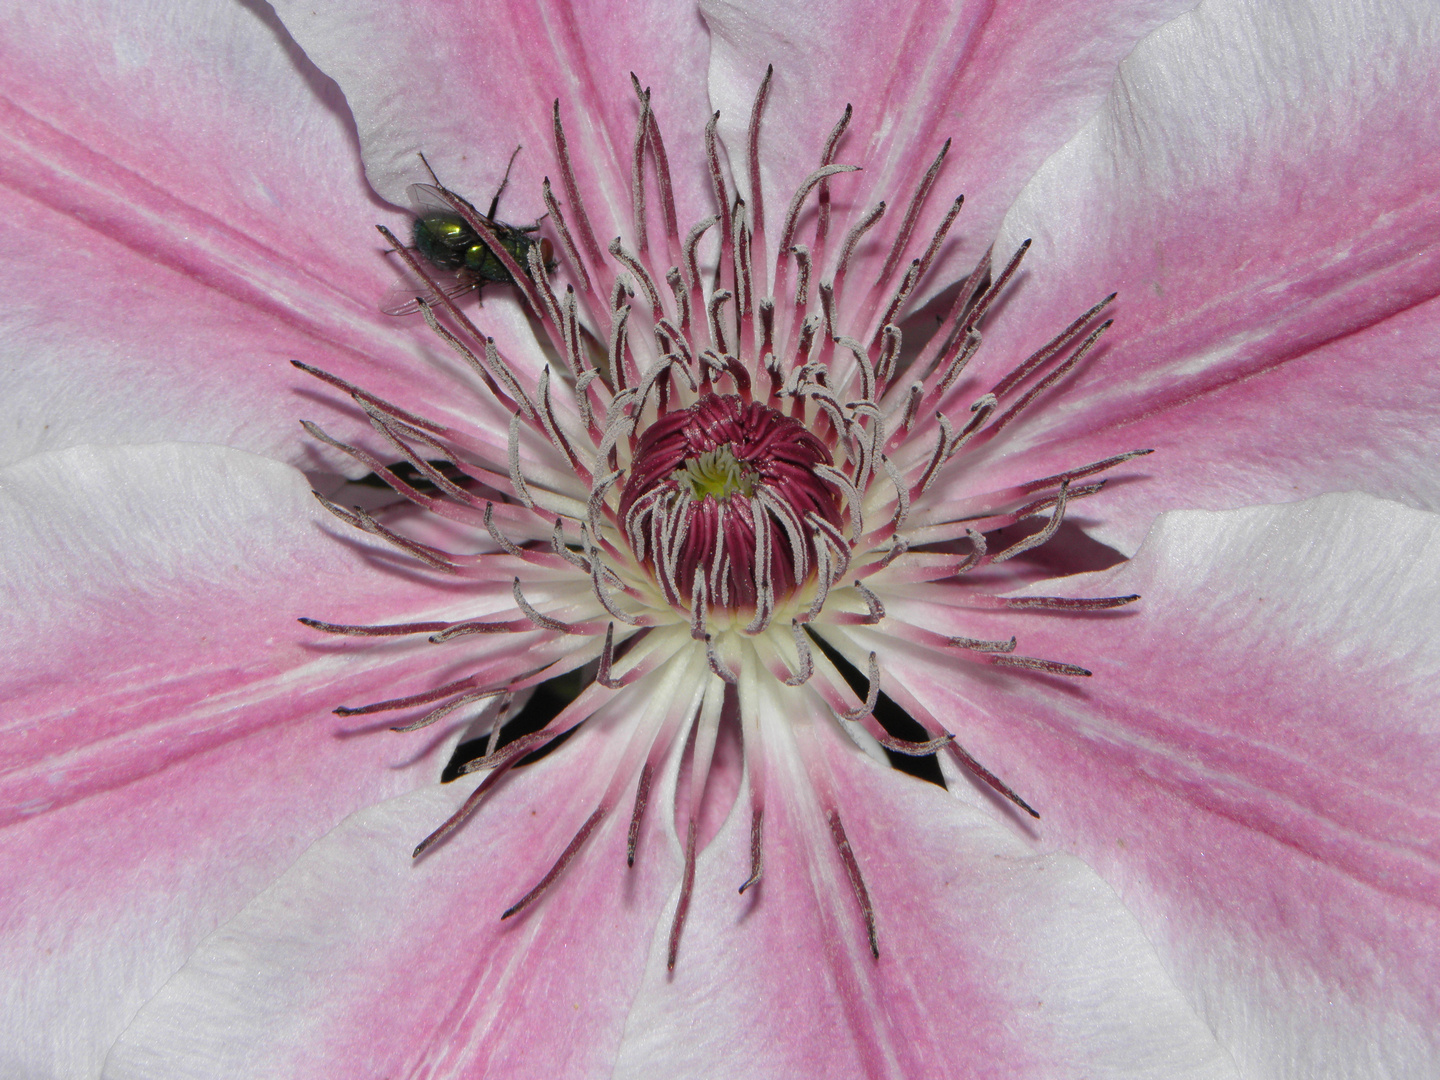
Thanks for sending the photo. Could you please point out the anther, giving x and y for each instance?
(571, 850)
(857, 882)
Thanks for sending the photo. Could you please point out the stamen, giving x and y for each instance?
(662, 170)
(980, 645)
(877, 609)
(912, 407)
(757, 835)
(637, 167)
(752, 147)
(997, 287)
(511, 751)
(392, 630)
(712, 312)
(367, 459)
(901, 295)
(890, 338)
(797, 201)
(1044, 534)
(380, 403)
(542, 621)
(639, 273)
(822, 221)
(572, 192)
(535, 264)
(717, 185)
(458, 817)
(571, 850)
(690, 262)
(1068, 603)
(676, 282)
(863, 365)
(872, 694)
(499, 537)
(898, 547)
(642, 800)
(857, 882)
(714, 660)
(517, 481)
(902, 493)
(1045, 352)
(937, 457)
(546, 411)
(744, 279)
(963, 756)
(912, 214)
(827, 309)
(940, 232)
(360, 519)
(558, 545)
(956, 364)
(852, 238)
(1054, 376)
(682, 905)
(1083, 471)
(567, 242)
(842, 483)
(472, 627)
(437, 714)
(807, 658)
(570, 331)
(913, 749)
(425, 698)
(802, 276)
(1050, 667)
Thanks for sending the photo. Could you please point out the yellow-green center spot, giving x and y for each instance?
(716, 472)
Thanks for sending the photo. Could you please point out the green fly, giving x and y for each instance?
(458, 259)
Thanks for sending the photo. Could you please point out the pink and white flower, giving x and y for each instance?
(208, 874)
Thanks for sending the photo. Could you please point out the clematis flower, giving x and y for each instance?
(1234, 871)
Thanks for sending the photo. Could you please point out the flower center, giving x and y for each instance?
(721, 503)
(716, 474)
(745, 509)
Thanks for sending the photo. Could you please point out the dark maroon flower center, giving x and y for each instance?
(722, 501)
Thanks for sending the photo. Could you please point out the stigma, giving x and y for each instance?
(723, 505)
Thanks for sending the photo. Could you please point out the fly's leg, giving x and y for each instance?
(495, 202)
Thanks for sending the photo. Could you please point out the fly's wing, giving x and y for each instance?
(404, 297)
(426, 199)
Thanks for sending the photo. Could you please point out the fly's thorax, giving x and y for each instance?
(444, 240)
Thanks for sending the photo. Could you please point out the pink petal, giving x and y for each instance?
(1263, 190)
(467, 85)
(167, 746)
(1008, 83)
(359, 962)
(182, 216)
(1251, 766)
(993, 961)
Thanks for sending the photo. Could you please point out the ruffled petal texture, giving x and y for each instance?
(468, 86)
(183, 215)
(1251, 766)
(517, 60)
(363, 963)
(1263, 190)
(1008, 83)
(994, 961)
(1238, 864)
(167, 746)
